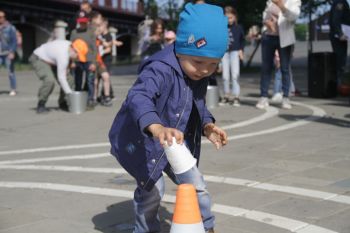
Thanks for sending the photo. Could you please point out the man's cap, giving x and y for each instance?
(82, 17)
(202, 31)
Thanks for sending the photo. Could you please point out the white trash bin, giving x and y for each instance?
(77, 101)
(213, 96)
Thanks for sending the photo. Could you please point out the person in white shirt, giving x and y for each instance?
(279, 19)
(51, 62)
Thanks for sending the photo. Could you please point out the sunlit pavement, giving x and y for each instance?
(282, 170)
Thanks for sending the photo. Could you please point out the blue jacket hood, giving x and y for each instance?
(165, 56)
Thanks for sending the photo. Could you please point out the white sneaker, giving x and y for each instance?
(277, 98)
(12, 93)
(263, 103)
(236, 102)
(286, 103)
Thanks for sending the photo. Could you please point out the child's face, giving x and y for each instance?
(197, 68)
(231, 18)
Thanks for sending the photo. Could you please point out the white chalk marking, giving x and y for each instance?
(65, 168)
(270, 112)
(327, 196)
(56, 148)
(265, 218)
(317, 114)
(60, 158)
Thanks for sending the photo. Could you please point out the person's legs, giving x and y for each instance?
(45, 74)
(277, 86)
(235, 69)
(285, 56)
(269, 45)
(226, 73)
(146, 206)
(78, 76)
(90, 79)
(193, 176)
(10, 66)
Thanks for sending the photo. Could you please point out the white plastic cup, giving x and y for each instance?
(179, 157)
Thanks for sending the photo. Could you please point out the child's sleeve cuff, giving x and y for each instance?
(147, 119)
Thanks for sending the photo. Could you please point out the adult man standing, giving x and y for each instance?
(340, 14)
(87, 66)
(8, 46)
(51, 63)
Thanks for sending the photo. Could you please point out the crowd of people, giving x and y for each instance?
(90, 68)
(86, 56)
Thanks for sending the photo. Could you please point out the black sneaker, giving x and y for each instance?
(211, 231)
(63, 106)
(106, 101)
(90, 105)
(223, 101)
(41, 109)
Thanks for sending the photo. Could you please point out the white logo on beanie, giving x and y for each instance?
(191, 39)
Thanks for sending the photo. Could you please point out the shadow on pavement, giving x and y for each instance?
(4, 92)
(347, 116)
(325, 120)
(119, 218)
(340, 103)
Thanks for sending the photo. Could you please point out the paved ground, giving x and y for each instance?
(282, 171)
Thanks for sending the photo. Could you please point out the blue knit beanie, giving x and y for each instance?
(202, 31)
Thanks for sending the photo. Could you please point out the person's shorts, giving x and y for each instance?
(101, 70)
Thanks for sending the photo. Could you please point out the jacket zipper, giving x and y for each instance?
(177, 124)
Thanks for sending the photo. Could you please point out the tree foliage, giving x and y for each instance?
(250, 12)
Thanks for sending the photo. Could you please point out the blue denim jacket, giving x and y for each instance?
(163, 95)
(8, 40)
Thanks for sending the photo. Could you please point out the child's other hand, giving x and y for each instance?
(216, 135)
(164, 134)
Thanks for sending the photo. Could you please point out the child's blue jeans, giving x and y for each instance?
(146, 204)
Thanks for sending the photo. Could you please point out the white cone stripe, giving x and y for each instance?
(327, 196)
(187, 228)
(266, 218)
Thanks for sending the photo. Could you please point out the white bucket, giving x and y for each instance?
(77, 101)
(179, 157)
(212, 98)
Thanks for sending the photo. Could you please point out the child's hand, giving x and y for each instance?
(216, 135)
(164, 134)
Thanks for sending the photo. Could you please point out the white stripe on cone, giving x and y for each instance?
(187, 228)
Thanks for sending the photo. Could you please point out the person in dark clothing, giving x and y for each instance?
(340, 14)
(86, 64)
(107, 43)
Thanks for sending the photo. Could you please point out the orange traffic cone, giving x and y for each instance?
(187, 217)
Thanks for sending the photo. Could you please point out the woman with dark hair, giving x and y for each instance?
(155, 41)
